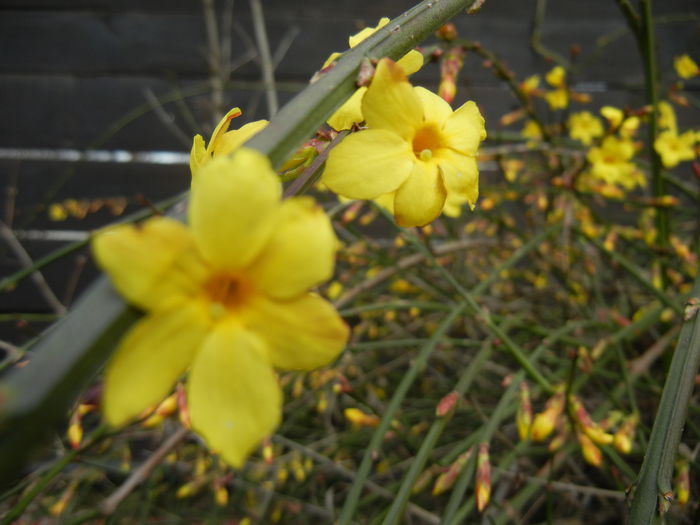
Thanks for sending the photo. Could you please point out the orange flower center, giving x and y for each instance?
(226, 293)
(426, 142)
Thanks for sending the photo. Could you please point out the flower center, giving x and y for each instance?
(426, 141)
(226, 294)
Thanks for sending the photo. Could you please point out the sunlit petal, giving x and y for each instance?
(411, 62)
(234, 139)
(301, 334)
(421, 198)
(367, 164)
(154, 264)
(435, 109)
(465, 129)
(300, 253)
(232, 208)
(390, 102)
(233, 395)
(349, 113)
(149, 360)
(460, 173)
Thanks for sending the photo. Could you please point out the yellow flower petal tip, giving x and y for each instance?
(416, 153)
(226, 299)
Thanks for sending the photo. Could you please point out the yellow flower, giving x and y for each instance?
(351, 111)
(674, 148)
(667, 117)
(611, 163)
(222, 141)
(616, 118)
(555, 77)
(416, 148)
(530, 85)
(585, 127)
(226, 300)
(557, 99)
(686, 66)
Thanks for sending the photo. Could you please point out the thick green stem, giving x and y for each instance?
(654, 482)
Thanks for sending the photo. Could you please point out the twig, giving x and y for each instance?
(266, 64)
(536, 41)
(36, 275)
(166, 118)
(311, 174)
(217, 75)
(642, 364)
(407, 262)
(110, 504)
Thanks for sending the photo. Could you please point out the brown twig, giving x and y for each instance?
(110, 504)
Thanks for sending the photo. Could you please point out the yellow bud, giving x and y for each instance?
(591, 453)
(221, 496)
(75, 434)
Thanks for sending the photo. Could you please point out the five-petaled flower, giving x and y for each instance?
(415, 148)
(227, 300)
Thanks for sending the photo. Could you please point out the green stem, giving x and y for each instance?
(651, 81)
(418, 365)
(654, 480)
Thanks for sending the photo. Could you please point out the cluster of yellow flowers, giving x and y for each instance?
(228, 299)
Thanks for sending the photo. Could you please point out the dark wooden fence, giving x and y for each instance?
(133, 76)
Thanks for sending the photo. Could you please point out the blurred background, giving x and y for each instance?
(100, 100)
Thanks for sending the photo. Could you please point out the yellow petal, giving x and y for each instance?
(150, 358)
(390, 102)
(349, 113)
(301, 334)
(332, 58)
(435, 109)
(300, 253)
(368, 163)
(460, 173)
(221, 128)
(232, 208)
(367, 31)
(465, 129)
(421, 198)
(411, 62)
(154, 264)
(198, 155)
(232, 393)
(234, 139)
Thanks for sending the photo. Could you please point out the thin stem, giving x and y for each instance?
(266, 65)
(420, 362)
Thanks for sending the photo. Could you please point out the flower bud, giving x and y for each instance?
(447, 479)
(483, 477)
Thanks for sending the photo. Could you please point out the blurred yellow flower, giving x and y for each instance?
(556, 77)
(226, 299)
(667, 117)
(351, 111)
(557, 99)
(530, 84)
(616, 118)
(673, 148)
(611, 163)
(686, 66)
(416, 149)
(222, 141)
(585, 127)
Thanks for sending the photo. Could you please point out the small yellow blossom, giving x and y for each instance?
(530, 85)
(351, 111)
(667, 117)
(556, 77)
(674, 149)
(531, 130)
(616, 118)
(415, 148)
(585, 127)
(557, 99)
(222, 141)
(686, 66)
(611, 163)
(225, 299)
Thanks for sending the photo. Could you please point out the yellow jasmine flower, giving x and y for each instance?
(555, 77)
(686, 66)
(616, 118)
(611, 163)
(226, 300)
(222, 141)
(350, 112)
(674, 148)
(531, 131)
(557, 99)
(530, 85)
(667, 117)
(585, 127)
(416, 148)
